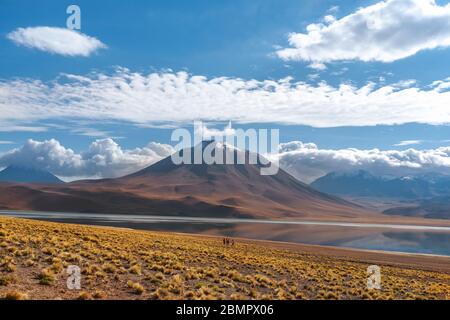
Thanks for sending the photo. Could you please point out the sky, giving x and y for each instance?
(349, 84)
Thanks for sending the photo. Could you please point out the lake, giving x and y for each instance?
(370, 236)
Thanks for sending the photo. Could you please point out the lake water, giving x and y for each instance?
(388, 237)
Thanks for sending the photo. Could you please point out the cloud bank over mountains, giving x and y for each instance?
(181, 97)
(104, 158)
(386, 31)
(306, 161)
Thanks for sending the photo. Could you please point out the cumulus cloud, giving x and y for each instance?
(104, 158)
(386, 31)
(210, 133)
(143, 99)
(307, 162)
(317, 66)
(56, 40)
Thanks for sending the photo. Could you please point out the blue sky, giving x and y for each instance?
(166, 34)
(234, 39)
(220, 38)
(226, 38)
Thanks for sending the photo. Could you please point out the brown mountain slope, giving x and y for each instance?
(435, 207)
(192, 190)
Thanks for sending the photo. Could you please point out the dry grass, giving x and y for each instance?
(137, 287)
(128, 264)
(15, 295)
(46, 277)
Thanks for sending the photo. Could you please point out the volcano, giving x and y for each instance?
(164, 188)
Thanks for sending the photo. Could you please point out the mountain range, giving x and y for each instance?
(218, 190)
(436, 208)
(425, 195)
(364, 184)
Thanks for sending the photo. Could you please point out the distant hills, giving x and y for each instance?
(218, 190)
(364, 184)
(426, 195)
(27, 175)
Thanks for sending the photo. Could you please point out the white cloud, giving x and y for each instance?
(104, 158)
(403, 83)
(313, 76)
(19, 128)
(441, 85)
(169, 97)
(408, 143)
(209, 133)
(90, 132)
(6, 142)
(386, 31)
(329, 19)
(317, 66)
(333, 10)
(345, 69)
(56, 40)
(307, 162)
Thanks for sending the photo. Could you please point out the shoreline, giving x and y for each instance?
(407, 260)
(162, 218)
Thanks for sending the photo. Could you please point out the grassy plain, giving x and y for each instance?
(128, 264)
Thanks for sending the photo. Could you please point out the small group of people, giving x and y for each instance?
(228, 241)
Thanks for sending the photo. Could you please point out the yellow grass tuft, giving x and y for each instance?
(15, 295)
(137, 287)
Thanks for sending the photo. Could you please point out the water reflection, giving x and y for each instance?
(415, 242)
(372, 238)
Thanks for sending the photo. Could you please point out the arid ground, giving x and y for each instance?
(128, 264)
